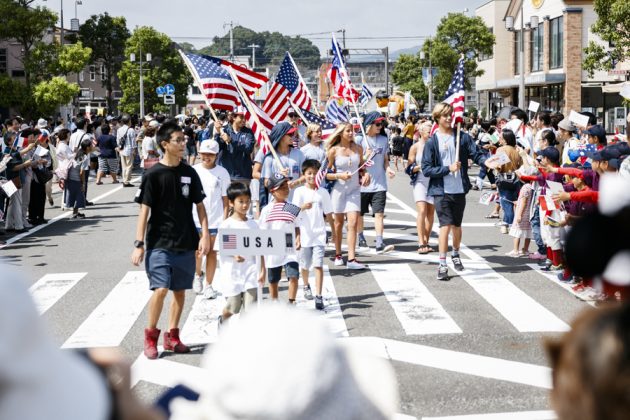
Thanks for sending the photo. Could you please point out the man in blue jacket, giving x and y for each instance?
(449, 182)
(237, 143)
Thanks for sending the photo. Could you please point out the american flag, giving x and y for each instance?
(288, 85)
(366, 95)
(216, 83)
(338, 74)
(229, 241)
(321, 174)
(250, 80)
(455, 96)
(327, 126)
(336, 111)
(370, 159)
(265, 120)
(286, 212)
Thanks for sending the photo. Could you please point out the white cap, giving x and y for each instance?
(154, 124)
(42, 123)
(282, 363)
(209, 146)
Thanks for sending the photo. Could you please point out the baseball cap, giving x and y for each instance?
(148, 117)
(209, 146)
(371, 118)
(42, 123)
(597, 131)
(280, 130)
(551, 153)
(567, 125)
(275, 181)
(154, 124)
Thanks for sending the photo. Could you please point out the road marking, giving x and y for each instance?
(522, 415)
(399, 211)
(112, 319)
(52, 287)
(167, 373)
(586, 297)
(521, 310)
(417, 309)
(453, 361)
(201, 324)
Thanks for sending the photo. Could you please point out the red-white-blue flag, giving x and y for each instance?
(338, 75)
(455, 96)
(288, 85)
(327, 126)
(285, 212)
(265, 126)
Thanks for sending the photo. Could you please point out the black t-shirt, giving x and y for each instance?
(190, 136)
(171, 193)
(107, 145)
(398, 143)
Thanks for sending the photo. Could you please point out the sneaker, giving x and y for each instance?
(512, 253)
(363, 243)
(442, 273)
(457, 262)
(537, 256)
(355, 265)
(209, 292)
(504, 229)
(338, 261)
(552, 267)
(381, 249)
(319, 303)
(308, 294)
(27, 225)
(544, 263)
(565, 279)
(198, 283)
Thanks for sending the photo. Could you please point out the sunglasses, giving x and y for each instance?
(378, 124)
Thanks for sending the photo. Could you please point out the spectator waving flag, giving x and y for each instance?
(338, 75)
(214, 81)
(366, 95)
(336, 111)
(455, 96)
(285, 212)
(288, 85)
(327, 126)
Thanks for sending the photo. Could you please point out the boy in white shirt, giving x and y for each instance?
(215, 181)
(315, 203)
(281, 215)
(238, 274)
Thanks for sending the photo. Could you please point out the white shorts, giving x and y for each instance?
(345, 199)
(312, 257)
(420, 193)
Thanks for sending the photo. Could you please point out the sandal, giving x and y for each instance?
(99, 183)
(492, 216)
(424, 249)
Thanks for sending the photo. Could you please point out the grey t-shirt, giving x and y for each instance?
(313, 152)
(452, 184)
(377, 172)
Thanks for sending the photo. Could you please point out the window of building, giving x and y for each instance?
(3, 60)
(92, 73)
(195, 90)
(537, 48)
(81, 76)
(355, 74)
(103, 72)
(556, 33)
(483, 57)
(18, 73)
(517, 51)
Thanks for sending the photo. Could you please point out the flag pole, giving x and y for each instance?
(298, 111)
(459, 127)
(308, 92)
(252, 110)
(198, 83)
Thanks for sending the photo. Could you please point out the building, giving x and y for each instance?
(552, 52)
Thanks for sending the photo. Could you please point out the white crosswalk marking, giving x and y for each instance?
(52, 287)
(201, 325)
(523, 415)
(417, 309)
(108, 324)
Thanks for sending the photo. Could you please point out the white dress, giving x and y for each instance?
(421, 186)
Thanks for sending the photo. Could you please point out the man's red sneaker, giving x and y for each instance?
(151, 337)
(172, 342)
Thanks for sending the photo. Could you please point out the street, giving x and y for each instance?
(472, 345)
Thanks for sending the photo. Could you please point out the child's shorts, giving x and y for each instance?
(242, 301)
(292, 269)
(312, 257)
(170, 270)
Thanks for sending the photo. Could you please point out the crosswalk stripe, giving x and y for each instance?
(586, 297)
(398, 211)
(112, 319)
(52, 287)
(522, 415)
(201, 324)
(417, 309)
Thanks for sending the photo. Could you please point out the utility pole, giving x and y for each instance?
(343, 32)
(231, 25)
(386, 54)
(253, 47)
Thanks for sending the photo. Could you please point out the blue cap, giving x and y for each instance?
(607, 153)
(597, 131)
(371, 118)
(280, 130)
(551, 153)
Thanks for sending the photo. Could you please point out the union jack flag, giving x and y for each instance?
(288, 85)
(327, 126)
(285, 212)
(229, 241)
(338, 75)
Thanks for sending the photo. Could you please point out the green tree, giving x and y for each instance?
(407, 76)
(457, 34)
(612, 26)
(106, 35)
(187, 47)
(50, 94)
(166, 67)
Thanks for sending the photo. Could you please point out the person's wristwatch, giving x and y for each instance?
(138, 244)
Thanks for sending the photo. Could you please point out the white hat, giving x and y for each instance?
(148, 117)
(280, 363)
(38, 379)
(209, 146)
(42, 123)
(154, 124)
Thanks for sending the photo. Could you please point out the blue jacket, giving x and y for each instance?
(236, 156)
(433, 168)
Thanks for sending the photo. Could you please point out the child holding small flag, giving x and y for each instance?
(315, 203)
(281, 215)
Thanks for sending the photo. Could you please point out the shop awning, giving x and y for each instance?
(615, 88)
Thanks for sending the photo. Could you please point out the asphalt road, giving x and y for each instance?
(472, 345)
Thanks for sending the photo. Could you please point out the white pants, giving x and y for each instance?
(551, 235)
(127, 165)
(13, 219)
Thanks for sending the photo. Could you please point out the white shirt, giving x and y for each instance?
(148, 144)
(272, 261)
(235, 277)
(130, 141)
(215, 183)
(312, 223)
(75, 139)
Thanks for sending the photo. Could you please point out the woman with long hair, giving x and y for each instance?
(345, 160)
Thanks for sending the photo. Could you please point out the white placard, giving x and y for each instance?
(578, 119)
(487, 197)
(533, 106)
(40, 151)
(555, 187)
(502, 158)
(9, 188)
(247, 242)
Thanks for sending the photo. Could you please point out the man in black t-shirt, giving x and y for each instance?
(167, 193)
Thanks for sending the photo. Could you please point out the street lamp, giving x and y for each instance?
(253, 47)
(422, 56)
(532, 25)
(132, 58)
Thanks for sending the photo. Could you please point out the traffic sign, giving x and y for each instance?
(169, 99)
(160, 91)
(170, 89)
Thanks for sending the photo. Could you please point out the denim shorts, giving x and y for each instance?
(212, 231)
(291, 268)
(170, 270)
(312, 257)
